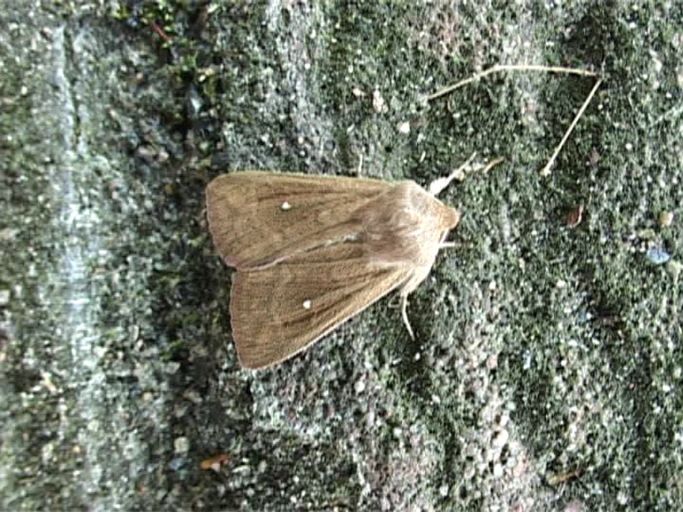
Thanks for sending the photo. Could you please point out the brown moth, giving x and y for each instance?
(313, 251)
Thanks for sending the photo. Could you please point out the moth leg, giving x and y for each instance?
(446, 245)
(404, 315)
(411, 283)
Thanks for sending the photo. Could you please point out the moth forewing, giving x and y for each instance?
(311, 252)
(256, 218)
(280, 310)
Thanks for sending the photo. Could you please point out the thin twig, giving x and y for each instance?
(160, 32)
(546, 170)
(492, 164)
(532, 67)
(509, 67)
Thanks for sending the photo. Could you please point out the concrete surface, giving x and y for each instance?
(547, 371)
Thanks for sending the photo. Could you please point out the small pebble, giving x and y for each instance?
(378, 102)
(500, 439)
(622, 498)
(647, 234)
(674, 269)
(404, 128)
(657, 255)
(181, 444)
(176, 463)
(215, 462)
(8, 234)
(492, 362)
(574, 217)
(666, 219)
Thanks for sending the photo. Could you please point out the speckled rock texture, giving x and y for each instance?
(547, 369)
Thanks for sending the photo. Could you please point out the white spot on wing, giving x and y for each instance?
(307, 304)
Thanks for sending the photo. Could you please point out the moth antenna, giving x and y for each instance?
(404, 315)
(439, 184)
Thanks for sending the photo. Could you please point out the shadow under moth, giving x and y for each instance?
(313, 251)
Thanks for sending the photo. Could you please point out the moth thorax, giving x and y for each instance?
(403, 225)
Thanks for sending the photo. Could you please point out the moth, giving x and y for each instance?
(313, 251)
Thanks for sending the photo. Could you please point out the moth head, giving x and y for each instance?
(449, 218)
